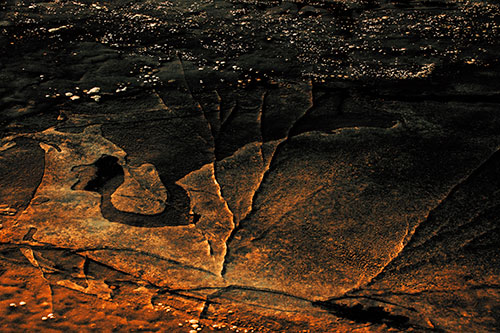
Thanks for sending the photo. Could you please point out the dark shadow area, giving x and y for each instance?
(361, 314)
(109, 176)
(107, 169)
(21, 172)
(328, 115)
(329, 123)
(235, 133)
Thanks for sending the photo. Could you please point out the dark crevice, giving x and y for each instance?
(221, 151)
(191, 90)
(66, 252)
(195, 218)
(227, 106)
(219, 295)
(210, 247)
(86, 264)
(188, 297)
(28, 237)
(204, 311)
(218, 291)
(278, 125)
(476, 223)
(263, 111)
(488, 167)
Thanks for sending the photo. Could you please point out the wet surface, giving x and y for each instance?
(249, 165)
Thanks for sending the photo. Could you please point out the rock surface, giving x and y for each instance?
(305, 165)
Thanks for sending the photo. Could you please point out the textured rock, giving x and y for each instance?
(429, 273)
(241, 175)
(86, 228)
(250, 165)
(325, 212)
(142, 191)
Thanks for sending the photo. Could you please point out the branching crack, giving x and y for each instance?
(265, 174)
